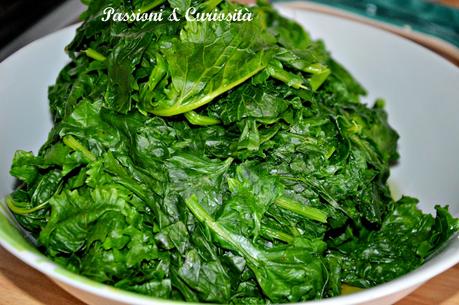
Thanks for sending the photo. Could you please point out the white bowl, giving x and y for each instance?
(420, 87)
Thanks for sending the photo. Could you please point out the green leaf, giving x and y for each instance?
(209, 68)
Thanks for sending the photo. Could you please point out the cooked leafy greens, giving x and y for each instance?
(226, 162)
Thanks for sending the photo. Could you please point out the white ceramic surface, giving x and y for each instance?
(422, 94)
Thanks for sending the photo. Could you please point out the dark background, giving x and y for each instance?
(17, 15)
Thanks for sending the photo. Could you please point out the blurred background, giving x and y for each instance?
(22, 21)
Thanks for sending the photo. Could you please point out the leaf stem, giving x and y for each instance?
(75, 145)
(94, 54)
(177, 109)
(22, 211)
(237, 242)
(290, 79)
(272, 233)
(301, 209)
(201, 120)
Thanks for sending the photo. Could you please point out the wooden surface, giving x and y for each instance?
(22, 285)
(454, 3)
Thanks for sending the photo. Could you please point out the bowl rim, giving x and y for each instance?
(40, 262)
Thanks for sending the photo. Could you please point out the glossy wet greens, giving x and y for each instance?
(217, 162)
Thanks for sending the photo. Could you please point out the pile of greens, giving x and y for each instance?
(227, 162)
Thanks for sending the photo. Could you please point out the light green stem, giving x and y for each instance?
(286, 77)
(94, 54)
(179, 108)
(201, 120)
(75, 145)
(301, 209)
(271, 233)
(22, 211)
